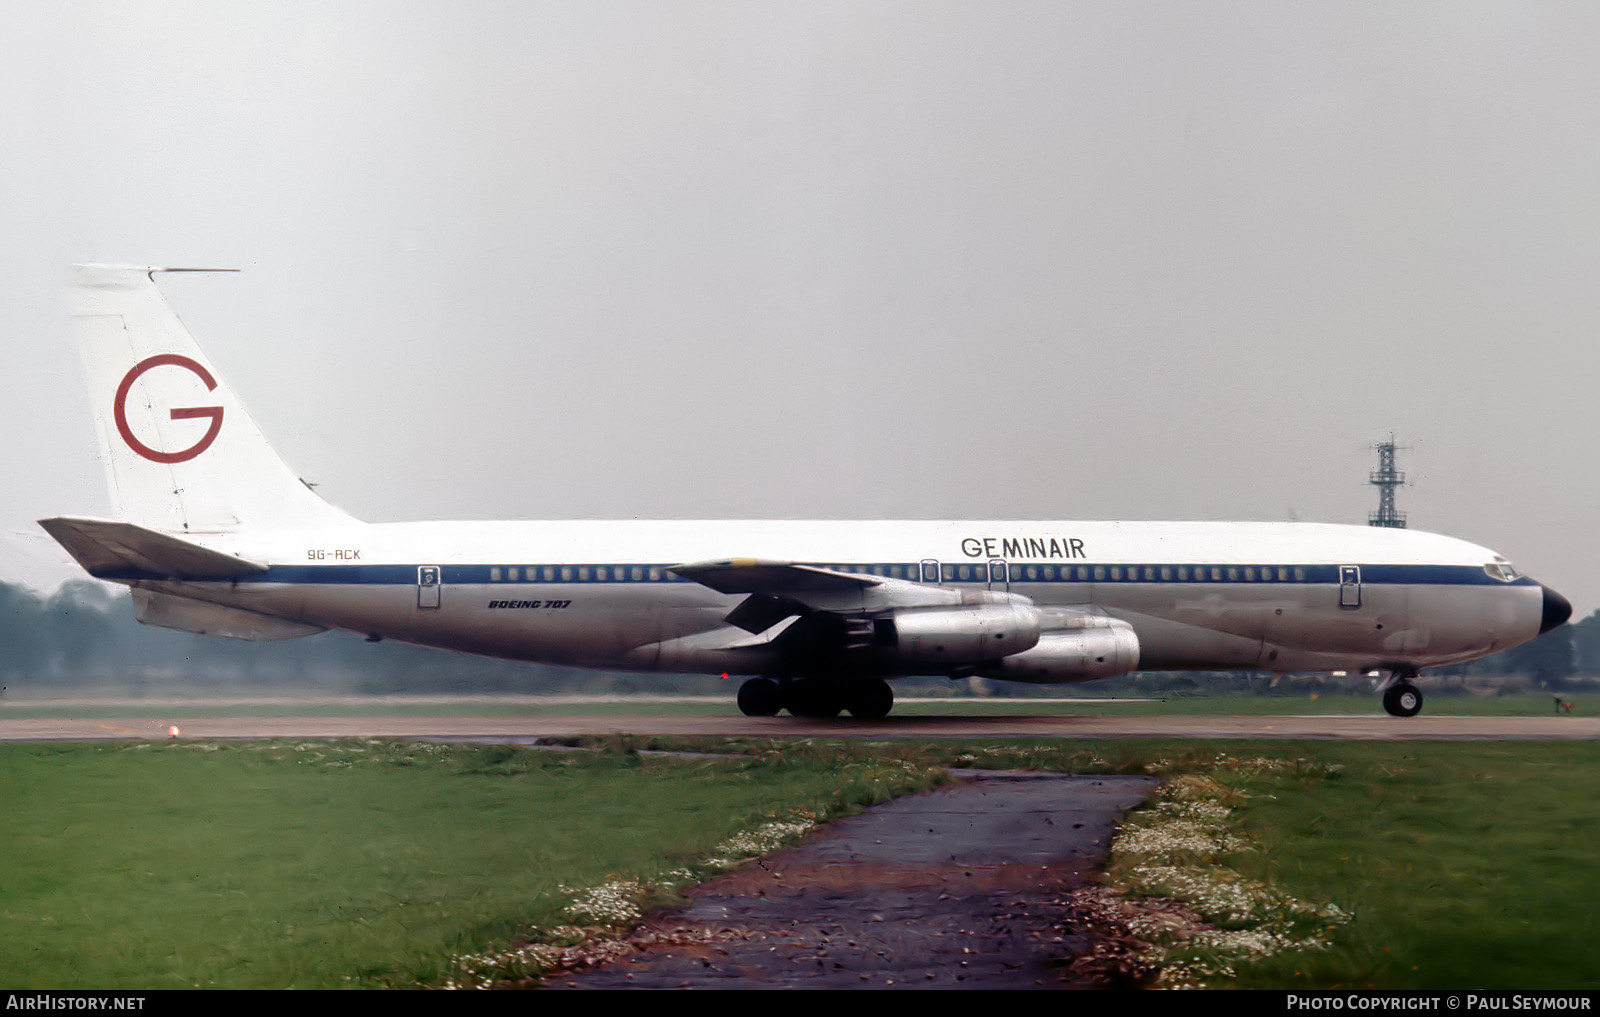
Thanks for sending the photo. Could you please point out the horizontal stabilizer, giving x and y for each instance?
(205, 619)
(113, 550)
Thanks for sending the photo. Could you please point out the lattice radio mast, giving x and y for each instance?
(1386, 478)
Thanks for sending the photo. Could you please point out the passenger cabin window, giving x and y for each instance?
(494, 574)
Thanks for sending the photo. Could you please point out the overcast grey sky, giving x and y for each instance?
(850, 260)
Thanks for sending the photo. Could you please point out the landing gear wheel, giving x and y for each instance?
(760, 697)
(1403, 700)
(870, 700)
(813, 698)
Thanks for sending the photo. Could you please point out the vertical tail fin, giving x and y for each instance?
(181, 453)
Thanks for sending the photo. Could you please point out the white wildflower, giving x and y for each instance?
(1172, 850)
(614, 903)
(764, 839)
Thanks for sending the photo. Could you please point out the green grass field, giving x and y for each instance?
(327, 864)
(155, 865)
(1464, 864)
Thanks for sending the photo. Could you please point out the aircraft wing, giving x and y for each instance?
(754, 575)
(778, 590)
(113, 550)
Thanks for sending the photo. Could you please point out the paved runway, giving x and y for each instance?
(1367, 728)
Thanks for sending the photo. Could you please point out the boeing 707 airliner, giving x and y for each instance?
(215, 535)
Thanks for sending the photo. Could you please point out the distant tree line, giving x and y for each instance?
(85, 637)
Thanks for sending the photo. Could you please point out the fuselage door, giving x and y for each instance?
(999, 574)
(428, 586)
(930, 570)
(1349, 585)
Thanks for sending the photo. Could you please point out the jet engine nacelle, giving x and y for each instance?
(1078, 655)
(965, 635)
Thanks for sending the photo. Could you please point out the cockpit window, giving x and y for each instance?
(1501, 571)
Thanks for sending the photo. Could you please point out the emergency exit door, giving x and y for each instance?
(1349, 585)
(428, 585)
(999, 574)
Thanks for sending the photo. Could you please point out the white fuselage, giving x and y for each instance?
(1199, 595)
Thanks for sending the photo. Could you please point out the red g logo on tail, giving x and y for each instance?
(120, 406)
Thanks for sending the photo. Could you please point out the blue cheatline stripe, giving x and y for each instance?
(483, 575)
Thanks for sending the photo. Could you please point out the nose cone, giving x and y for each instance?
(1557, 609)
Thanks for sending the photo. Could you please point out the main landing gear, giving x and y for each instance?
(1400, 697)
(760, 697)
(817, 698)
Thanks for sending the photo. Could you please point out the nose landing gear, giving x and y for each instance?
(1403, 700)
(1400, 697)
